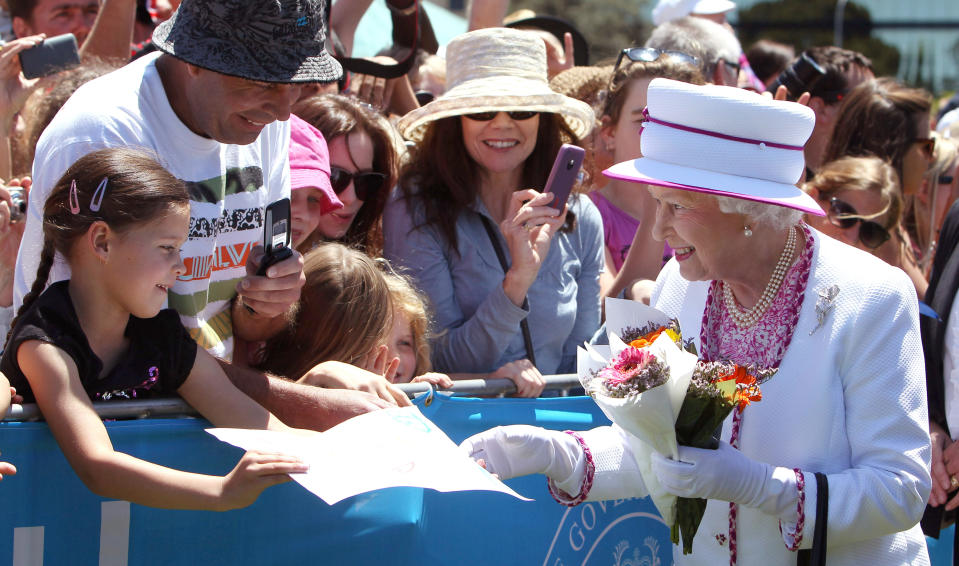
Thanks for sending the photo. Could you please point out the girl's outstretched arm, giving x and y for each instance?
(81, 435)
(213, 395)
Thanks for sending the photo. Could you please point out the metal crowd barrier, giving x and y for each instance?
(175, 407)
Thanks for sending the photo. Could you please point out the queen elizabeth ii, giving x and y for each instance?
(753, 284)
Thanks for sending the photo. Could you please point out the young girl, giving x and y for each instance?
(120, 219)
(626, 206)
(343, 318)
(409, 345)
(409, 339)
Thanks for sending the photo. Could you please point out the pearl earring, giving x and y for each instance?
(747, 231)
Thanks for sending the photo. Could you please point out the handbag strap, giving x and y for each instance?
(523, 324)
(817, 555)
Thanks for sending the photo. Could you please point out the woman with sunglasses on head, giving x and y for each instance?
(472, 192)
(631, 253)
(362, 168)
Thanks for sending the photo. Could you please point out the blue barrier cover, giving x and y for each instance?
(50, 518)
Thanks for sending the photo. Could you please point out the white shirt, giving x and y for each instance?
(230, 186)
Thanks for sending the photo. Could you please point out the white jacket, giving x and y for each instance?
(849, 400)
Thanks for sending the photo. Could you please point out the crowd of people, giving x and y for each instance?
(790, 220)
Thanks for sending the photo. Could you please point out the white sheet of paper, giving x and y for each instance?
(385, 448)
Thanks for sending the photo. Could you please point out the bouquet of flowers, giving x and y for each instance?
(650, 382)
(714, 390)
(640, 385)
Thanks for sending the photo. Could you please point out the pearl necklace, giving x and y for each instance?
(746, 318)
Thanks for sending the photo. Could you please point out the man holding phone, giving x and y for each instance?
(213, 105)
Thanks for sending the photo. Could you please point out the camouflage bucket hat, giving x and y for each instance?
(279, 41)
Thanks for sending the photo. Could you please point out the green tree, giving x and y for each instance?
(809, 23)
(608, 25)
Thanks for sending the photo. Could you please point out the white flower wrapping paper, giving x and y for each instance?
(649, 417)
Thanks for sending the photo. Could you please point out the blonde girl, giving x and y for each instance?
(120, 219)
(410, 345)
(409, 337)
(344, 317)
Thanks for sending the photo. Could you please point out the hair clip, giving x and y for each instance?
(98, 196)
(74, 200)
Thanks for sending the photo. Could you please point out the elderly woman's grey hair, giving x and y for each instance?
(699, 37)
(760, 212)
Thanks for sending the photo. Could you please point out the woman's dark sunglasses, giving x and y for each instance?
(843, 215)
(365, 183)
(650, 54)
(514, 115)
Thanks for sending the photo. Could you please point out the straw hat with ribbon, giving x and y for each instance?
(497, 69)
(724, 141)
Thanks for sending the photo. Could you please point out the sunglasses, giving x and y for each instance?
(650, 54)
(365, 183)
(424, 97)
(513, 115)
(843, 215)
(928, 146)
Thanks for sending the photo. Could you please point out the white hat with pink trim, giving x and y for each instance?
(724, 141)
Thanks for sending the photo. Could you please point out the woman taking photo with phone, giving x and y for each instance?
(474, 194)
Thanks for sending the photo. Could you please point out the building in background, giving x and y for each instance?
(926, 33)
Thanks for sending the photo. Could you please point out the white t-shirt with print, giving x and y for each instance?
(230, 186)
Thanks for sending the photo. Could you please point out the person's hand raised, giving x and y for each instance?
(529, 229)
(14, 87)
(394, 96)
(11, 232)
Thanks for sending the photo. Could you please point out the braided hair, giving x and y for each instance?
(122, 187)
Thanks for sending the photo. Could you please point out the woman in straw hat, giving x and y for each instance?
(752, 284)
(484, 152)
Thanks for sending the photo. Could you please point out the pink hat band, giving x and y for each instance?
(762, 144)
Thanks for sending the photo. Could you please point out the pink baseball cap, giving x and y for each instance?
(310, 162)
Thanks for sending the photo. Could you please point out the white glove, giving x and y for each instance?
(726, 474)
(521, 450)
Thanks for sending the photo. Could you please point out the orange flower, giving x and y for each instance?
(648, 339)
(743, 390)
(747, 390)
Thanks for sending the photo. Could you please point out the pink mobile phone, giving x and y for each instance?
(564, 174)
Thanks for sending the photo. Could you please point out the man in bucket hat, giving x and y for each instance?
(213, 105)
